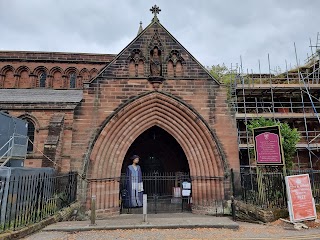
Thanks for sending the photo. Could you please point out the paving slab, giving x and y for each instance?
(135, 221)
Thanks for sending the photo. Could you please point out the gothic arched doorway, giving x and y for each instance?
(119, 132)
(158, 151)
(164, 168)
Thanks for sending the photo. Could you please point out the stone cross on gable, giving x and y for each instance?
(155, 10)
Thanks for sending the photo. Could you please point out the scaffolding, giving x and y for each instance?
(15, 149)
(292, 96)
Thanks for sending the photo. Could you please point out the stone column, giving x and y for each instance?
(79, 80)
(2, 80)
(49, 81)
(33, 78)
(17, 79)
(65, 81)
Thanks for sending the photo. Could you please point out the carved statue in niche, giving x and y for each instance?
(155, 62)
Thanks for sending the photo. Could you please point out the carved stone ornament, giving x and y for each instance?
(136, 55)
(155, 10)
(175, 57)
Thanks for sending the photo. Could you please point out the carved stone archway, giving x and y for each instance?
(202, 149)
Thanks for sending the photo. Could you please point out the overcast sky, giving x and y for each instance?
(213, 31)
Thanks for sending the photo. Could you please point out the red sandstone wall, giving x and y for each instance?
(226, 128)
(203, 95)
(22, 69)
(41, 119)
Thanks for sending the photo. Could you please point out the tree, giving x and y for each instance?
(222, 73)
(289, 137)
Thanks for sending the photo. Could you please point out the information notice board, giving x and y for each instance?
(301, 204)
(267, 145)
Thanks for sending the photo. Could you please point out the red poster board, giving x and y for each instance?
(267, 145)
(300, 200)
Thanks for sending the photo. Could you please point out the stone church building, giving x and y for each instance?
(90, 112)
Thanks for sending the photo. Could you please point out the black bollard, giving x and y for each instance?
(233, 209)
(93, 211)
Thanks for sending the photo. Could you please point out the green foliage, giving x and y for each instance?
(289, 137)
(31, 215)
(222, 73)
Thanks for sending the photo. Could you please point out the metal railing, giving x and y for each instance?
(270, 79)
(164, 191)
(159, 189)
(16, 146)
(29, 199)
(268, 189)
(259, 107)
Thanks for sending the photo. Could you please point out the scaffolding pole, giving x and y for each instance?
(306, 128)
(271, 89)
(252, 101)
(301, 79)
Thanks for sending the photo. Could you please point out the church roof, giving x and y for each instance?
(40, 96)
(37, 56)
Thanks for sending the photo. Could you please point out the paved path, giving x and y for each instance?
(170, 226)
(160, 221)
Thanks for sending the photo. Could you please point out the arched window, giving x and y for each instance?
(72, 80)
(30, 134)
(42, 80)
(9, 80)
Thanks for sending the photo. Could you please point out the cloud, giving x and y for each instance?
(214, 32)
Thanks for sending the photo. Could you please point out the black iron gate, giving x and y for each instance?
(164, 192)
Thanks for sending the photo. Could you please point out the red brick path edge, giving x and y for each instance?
(60, 216)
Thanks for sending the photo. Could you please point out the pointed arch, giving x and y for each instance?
(141, 68)
(23, 77)
(179, 69)
(55, 69)
(170, 69)
(132, 69)
(57, 80)
(32, 118)
(136, 61)
(93, 72)
(83, 70)
(199, 143)
(8, 79)
(33, 126)
(84, 76)
(21, 69)
(40, 69)
(71, 70)
(7, 68)
(41, 73)
(71, 74)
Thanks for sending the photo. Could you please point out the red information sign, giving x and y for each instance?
(268, 148)
(267, 145)
(300, 200)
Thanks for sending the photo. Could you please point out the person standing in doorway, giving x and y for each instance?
(134, 184)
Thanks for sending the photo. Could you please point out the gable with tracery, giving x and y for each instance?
(154, 52)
